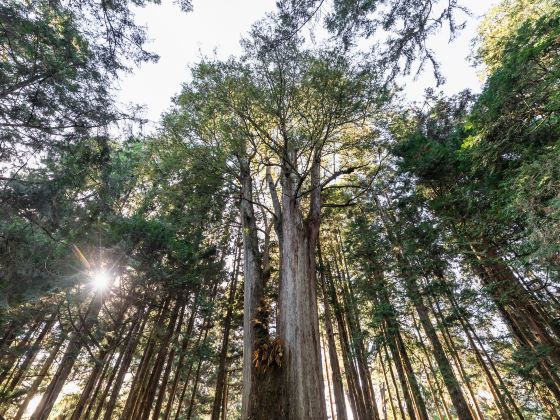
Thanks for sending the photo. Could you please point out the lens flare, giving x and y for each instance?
(100, 280)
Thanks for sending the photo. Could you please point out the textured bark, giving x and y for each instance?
(298, 322)
(261, 390)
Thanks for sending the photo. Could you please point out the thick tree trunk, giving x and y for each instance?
(298, 322)
(261, 391)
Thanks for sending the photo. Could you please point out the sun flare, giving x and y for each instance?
(100, 280)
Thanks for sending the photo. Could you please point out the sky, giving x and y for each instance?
(216, 26)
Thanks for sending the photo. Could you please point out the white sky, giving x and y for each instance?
(181, 39)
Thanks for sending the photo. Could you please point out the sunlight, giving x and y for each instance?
(100, 280)
(32, 406)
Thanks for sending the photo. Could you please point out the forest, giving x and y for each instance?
(295, 239)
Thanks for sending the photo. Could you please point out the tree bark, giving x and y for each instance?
(261, 390)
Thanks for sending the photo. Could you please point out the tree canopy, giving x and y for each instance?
(295, 240)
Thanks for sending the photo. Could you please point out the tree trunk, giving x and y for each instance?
(72, 352)
(451, 383)
(30, 355)
(30, 393)
(261, 391)
(222, 373)
(338, 388)
(136, 332)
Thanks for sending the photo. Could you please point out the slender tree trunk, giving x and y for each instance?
(509, 294)
(148, 393)
(30, 393)
(354, 323)
(356, 399)
(338, 388)
(451, 383)
(395, 387)
(72, 352)
(91, 382)
(459, 364)
(183, 354)
(30, 355)
(12, 356)
(472, 336)
(170, 358)
(432, 369)
(225, 400)
(136, 387)
(419, 403)
(222, 373)
(136, 332)
(189, 371)
(387, 387)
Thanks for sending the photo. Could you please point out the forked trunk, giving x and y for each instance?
(298, 322)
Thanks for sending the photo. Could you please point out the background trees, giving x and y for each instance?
(293, 242)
